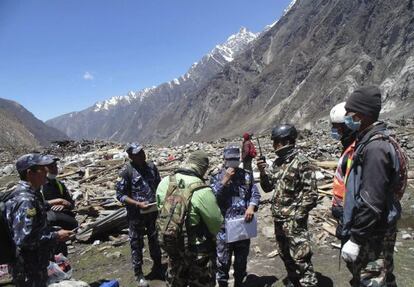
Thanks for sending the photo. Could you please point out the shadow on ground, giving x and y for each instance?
(324, 281)
(259, 281)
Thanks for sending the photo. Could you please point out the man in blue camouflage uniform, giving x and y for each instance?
(26, 215)
(236, 196)
(293, 181)
(136, 189)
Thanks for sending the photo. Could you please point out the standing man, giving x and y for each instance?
(26, 216)
(293, 180)
(346, 136)
(248, 152)
(237, 195)
(191, 263)
(374, 186)
(136, 188)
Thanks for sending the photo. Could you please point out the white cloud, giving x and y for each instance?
(88, 76)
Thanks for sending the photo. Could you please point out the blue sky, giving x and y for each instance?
(59, 56)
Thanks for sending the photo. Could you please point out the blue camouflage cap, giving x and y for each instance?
(52, 157)
(32, 159)
(134, 148)
(232, 152)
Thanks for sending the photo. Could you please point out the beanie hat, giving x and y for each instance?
(366, 101)
(198, 162)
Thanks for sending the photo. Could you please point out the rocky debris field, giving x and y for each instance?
(101, 251)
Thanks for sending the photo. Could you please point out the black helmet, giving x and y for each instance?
(284, 131)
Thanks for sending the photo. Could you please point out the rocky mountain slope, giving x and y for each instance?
(19, 129)
(295, 71)
(133, 116)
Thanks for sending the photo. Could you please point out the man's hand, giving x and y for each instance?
(142, 205)
(64, 235)
(230, 172)
(59, 201)
(261, 165)
(57, 208)
(350, 251)
(248, 215)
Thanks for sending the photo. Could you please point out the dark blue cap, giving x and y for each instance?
(232, 152)
(133, 148)
(32, 159)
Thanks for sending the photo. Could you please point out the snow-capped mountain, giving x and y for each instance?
(309, 60)
(85, 124)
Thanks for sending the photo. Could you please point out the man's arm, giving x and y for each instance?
(67, 196)
(309, 189)
(123, 188)
(162, 191)
(23, 226)
(221, 180)
(375, 184)
(206, 206)
(267, 181)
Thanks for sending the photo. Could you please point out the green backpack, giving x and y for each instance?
(172, 216)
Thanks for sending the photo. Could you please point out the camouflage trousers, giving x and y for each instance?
(145, 225)
(192, 269)
(374, 266)
(30, 270)
(295, 250)
(240, 249)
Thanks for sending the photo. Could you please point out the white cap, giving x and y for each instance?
(338, 113)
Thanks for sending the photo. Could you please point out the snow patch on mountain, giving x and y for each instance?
(289, 7)
(221, 54)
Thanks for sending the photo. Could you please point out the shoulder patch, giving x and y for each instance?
(31, 212)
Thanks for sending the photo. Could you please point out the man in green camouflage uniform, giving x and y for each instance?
(292, 178)
(195, 265)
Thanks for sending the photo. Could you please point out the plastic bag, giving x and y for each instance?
(112, 283)
(238, 229)
(59, 270)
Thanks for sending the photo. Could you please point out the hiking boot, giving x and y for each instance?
(141, 281)
(223, 284)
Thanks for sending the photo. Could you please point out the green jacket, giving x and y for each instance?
(203, 208)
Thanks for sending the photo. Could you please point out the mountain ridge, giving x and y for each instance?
(295, 71)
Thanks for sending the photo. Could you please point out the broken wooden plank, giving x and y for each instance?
(327, 164)
(329, 228)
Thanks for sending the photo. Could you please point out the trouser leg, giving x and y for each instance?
(176, 272)
(202, 271)
(241, 252)
(223, 258)
(136, 237)
(153, 243)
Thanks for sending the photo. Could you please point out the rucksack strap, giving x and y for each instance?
(60, 187)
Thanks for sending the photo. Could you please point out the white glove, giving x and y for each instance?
(350, 251)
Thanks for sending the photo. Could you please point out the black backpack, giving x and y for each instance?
(7, 247)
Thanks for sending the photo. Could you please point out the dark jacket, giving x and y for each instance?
(138, 184)
(54, 189)
(370, 207)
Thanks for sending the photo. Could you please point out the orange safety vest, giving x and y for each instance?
(340, 178)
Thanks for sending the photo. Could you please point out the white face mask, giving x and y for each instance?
(232, 163)
(51, 176)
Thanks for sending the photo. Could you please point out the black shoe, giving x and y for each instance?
(157, 273)
(223, 284)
